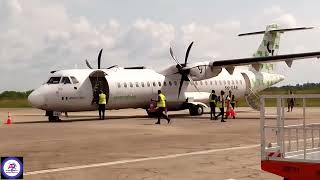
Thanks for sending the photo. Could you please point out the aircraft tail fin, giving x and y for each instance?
(270, 44)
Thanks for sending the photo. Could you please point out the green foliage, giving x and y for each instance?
(14, 103)
(14, 95)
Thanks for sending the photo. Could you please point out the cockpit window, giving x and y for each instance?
(74, 80)
(65, 80)
(54, 80)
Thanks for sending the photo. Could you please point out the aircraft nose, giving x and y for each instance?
(36, 99)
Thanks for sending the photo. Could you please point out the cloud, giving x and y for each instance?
(39, 36)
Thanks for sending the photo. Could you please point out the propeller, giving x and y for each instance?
(185, 73)
(99, 58)
(99, 62)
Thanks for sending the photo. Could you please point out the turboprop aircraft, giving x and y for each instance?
(186, 85)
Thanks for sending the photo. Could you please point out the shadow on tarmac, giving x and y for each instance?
(79, 118)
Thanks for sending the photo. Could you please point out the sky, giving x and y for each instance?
(38, 36)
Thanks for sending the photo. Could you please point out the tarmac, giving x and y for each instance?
(128, 145)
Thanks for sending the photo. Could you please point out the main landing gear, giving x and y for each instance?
(196, 110)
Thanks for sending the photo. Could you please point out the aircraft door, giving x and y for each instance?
(247, 82)
(98, 82)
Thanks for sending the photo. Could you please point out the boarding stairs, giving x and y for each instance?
(252, 99)
(290, 143)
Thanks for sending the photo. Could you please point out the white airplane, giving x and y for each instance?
(186, 85)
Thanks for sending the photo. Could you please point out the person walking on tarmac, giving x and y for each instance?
(290, 102)
(102, 104)
(161, 107)
(233, 101)
(220, 104)
(213, 105)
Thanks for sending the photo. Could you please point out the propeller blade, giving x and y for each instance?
(112, 66)
(89, 66)
(192, 82)
(180, 86)
(187, 54)
(99, 58)
(174, 58)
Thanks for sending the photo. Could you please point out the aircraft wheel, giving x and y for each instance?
(196, 110)
(54, 119)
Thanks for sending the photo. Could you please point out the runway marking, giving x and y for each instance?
(138, 160)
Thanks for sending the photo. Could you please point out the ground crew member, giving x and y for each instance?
(233, 101)
(161, 107)
(213, 105)
(220, 104)
(290, 102)
(102, 104)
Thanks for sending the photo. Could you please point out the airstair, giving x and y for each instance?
(290, 141)
(252, 99)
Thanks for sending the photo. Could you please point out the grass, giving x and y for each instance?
(14, 103)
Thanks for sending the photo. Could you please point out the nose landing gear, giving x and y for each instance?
(53, 116)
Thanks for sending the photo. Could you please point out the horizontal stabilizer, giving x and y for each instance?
(276, 30)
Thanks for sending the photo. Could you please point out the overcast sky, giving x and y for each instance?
(37, 36)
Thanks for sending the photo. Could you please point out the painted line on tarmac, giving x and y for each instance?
(139, 160)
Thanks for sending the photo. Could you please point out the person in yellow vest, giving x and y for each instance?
(102, 104)
(213, 104)
(220, 104)
(161, 107)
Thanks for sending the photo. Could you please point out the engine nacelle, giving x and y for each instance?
(203, 70)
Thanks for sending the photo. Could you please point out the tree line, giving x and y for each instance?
(14, 95)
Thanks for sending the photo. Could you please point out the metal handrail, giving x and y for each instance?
(307, 131)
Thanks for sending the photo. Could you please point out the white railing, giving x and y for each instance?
(288, 140)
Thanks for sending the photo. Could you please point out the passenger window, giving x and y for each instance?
(170, 83)
(201, 83)
(154, 84)
(220, 82)
(159, 84)
(65, 80)
(196, 82)
(125, 85)
(142, 84)
(74, 80)
(228, 82)
(215, 82)
(54, 80)
(137, 84)
(131, 85)
(210, 82)
(232, 82)
(224, 82)
(175, 83)
(240, 81)
(236, 81)
(148, 84)
(165, 83)
(119, 85)
(206, 82)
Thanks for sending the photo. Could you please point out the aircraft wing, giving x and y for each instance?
(204, 70)
(254, 60)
